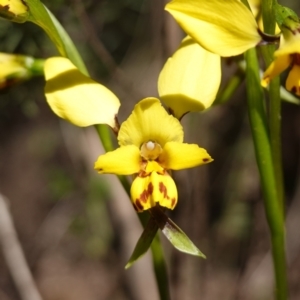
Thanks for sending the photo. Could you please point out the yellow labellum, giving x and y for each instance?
(156, 188)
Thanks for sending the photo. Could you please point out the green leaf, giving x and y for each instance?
(144, 242)
(174, 234)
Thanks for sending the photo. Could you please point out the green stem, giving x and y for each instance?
(231, 86)
(275, 138)
(264, 160)
(274, 101)
(105, 137)
(160, 269)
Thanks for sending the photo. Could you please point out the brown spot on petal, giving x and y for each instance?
(139, 206)
(150, 188)
(296, 58)
(173, 202)
(294, 89)
(146, 193)
(134, 206)
(205, 159)
(163, 189)
(144, 196)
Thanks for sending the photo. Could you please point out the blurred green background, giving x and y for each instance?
(78, 228)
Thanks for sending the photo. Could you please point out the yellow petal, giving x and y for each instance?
(276, 67)
(190, 79)
(141, 193)
(223, 27)
(289, 44)
(255, 6)
(11, 65)
(76, 97)
(165, 191)
(149, 121)
(14, 10)
(177, 156)
(154, 166)
(293, 80)
(155, 188)
(122, 161)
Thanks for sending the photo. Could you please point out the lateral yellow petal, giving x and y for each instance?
(165, 190)
(190, 79)
(149, 121)
(293, 80)
(76, 97)
(122, 161)
(276, 67)
(177, 156)
(223, 27)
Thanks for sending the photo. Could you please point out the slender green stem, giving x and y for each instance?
(258, 121)
(275, 138)
(160, 269)
(105, 137)
(275, 101)
(234, 82)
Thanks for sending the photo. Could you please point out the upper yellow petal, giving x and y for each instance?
(293, 80)
(177, 156)
(276, 67)
(190, 79)
(223, 27)
(122, 161)
(76, 97)
(149, 121)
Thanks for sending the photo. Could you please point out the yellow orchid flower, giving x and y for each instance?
(190, 79)
(151, 140)
(151, 144)
(288, 55)
(226, 28)
(76, 97)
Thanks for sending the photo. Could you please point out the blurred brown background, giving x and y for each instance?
(78, 228)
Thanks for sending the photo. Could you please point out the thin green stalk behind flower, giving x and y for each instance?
(264, 159)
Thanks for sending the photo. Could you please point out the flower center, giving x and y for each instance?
(151, 150)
